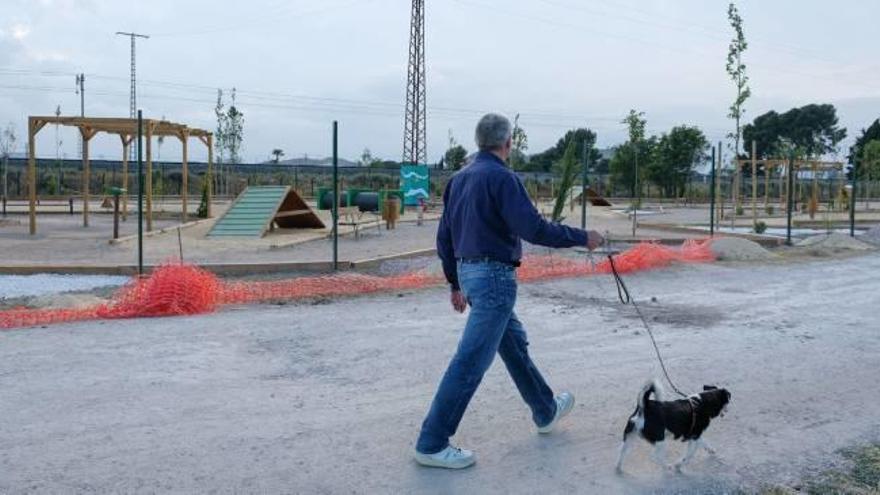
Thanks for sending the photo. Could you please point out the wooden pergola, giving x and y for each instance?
(127, 130)
(798, 165)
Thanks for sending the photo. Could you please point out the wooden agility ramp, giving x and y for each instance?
(259, 208)
(592, 196)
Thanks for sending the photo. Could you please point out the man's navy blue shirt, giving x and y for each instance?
(487, 211)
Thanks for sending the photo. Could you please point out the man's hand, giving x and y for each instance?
(459, 303)
(594, 240)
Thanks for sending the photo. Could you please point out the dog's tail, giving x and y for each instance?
(651, 387)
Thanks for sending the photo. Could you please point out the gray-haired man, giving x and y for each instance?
(486, 213)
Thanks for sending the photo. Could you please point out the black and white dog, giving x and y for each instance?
(685, 419)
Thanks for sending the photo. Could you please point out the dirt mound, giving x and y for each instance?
(834, 242)
(872, 236)
(739, 249)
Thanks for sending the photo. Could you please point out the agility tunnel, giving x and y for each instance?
(182, 289)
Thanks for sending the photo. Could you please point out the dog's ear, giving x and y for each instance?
(709, 387)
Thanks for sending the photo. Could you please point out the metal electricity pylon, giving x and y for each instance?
(414, 131)
(132, 110)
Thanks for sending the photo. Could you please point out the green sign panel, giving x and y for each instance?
(415, 182)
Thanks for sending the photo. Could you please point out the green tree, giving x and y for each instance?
(158, 183)
(675, 156)
(277, 153)
(220, 132)
(455, 157)
(520, 143)
(234, 135)
(871, 159)
(367, 159)
(870, 165)
(621, 166)
(869, 134)
(220, 135)
(631, 159)
(736, 69)
(545, 161)
(203, 204)
(455, 154)
(812, 128)
(569, 167)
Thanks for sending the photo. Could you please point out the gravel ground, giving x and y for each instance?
(42, 284)
(328, 397)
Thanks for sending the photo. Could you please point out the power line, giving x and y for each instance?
(263, 19)
(654, 44)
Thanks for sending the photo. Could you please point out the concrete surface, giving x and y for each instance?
(327, 397)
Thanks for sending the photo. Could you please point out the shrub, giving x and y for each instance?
(760, 227)
(203, 206)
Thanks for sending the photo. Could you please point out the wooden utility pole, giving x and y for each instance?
(148, 187)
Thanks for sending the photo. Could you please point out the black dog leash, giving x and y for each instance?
(625, 298)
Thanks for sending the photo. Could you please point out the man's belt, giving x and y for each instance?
(484, 259)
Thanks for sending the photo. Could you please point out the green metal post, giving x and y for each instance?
(790, 197)
(712, 197)
(335, 197)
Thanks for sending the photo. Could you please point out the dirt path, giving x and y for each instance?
(327, 398)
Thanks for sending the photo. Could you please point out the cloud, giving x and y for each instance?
(19, 31)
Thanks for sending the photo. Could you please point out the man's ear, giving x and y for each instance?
(709, 387)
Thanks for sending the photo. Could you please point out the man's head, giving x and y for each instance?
(494, 134)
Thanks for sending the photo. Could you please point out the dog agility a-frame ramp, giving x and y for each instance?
(259, 208)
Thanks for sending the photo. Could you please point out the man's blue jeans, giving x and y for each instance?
(492, 326)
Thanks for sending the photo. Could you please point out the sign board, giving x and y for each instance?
(415, 183)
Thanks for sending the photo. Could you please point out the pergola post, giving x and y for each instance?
(815, 194)
(126, 143)
(754, 183)
(736, 197)
(148, 186)
(767, 170)
(86, 179)
(184, 181)
(87, 135)
(783, 188)
(33, 128)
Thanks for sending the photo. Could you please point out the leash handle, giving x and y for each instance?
(622, 290)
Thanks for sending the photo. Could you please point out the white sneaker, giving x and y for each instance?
(564, 405)
(449, 458)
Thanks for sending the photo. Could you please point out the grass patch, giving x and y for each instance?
(860, 477)
(863, 476)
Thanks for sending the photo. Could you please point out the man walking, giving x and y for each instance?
(487, 211)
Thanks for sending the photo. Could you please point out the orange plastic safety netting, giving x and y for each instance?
(180, 289)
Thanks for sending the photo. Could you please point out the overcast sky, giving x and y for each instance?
(299, 64)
